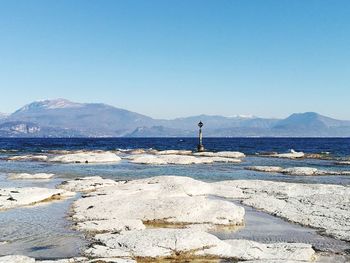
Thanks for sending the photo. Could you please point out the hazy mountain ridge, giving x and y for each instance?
(63, 118)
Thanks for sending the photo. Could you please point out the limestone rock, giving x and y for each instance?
(159, 200)
(180, 244)
(317, 205)
(110, 225)
(299, 171)
(303, 171)
(27, 176)
(15, 197)
(31, 157)
(225, 154)
(266, 169)
(86, 157)
(291, 155)
(87, 184)
(176, 152)
(16, 259)
(169, 159)
(163, 159)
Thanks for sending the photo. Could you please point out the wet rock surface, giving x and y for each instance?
(17, 197)
(325, 207)
(302, 171)
(167, 217)
(27, 176)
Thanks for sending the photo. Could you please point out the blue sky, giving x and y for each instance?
(178, 58)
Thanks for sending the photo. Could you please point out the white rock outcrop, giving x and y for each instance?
(301, 171)
(343, 163)
(265, 169)
(25, 259)
(167, 200)
(27, 176)
(176, 152)
(16, 259)
(87, 184)
(182, 244)
(110, 225)
(169, 159)
(225, 154)
(291, 155)
(86, 157)
(166, 217)
(38, 158)
(164, 159)
(16, 197)
(321, 206)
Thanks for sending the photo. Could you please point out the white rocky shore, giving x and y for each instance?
(17, 197)
(184, 157)
(167, 217)
(163, 159)
(289, 155)
(24, 259)
(86, 157)
(27, 176)
(138, 156)
(325, 207)
(301, 171)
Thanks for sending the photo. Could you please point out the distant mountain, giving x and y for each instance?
(312, 124)
(63, 118)
(3, 116)
(90, 119)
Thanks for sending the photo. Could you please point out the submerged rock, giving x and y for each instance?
(321, 206)
(16, 197)
(26, 176)
(343, 163)
(266, 169)
(86, 157)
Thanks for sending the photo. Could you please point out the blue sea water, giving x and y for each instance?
(335, 146)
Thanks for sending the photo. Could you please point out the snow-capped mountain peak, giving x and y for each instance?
(243, 116)
(50, 104)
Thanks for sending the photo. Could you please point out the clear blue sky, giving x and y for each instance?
(179, 58)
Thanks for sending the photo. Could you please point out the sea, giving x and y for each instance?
(45, 231)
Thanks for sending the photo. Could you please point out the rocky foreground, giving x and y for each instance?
(169, 218)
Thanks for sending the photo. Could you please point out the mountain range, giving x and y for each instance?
(63, 118)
